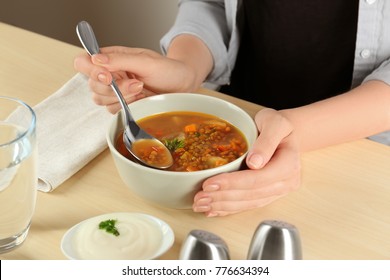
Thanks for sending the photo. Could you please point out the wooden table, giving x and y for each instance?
(342, 209)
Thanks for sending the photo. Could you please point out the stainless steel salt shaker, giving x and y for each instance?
(204, 245)
(275, 240)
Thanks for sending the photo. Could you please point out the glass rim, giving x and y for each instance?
(31, 126)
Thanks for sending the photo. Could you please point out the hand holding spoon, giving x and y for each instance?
(136, 140)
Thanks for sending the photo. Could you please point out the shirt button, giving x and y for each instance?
(369, 2)
(365, 53)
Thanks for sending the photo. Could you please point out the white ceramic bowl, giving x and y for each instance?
(169, 188)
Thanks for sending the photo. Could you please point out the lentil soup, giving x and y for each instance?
(196, 140)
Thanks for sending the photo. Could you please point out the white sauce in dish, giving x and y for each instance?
(140, 237)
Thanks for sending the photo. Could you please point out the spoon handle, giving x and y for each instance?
(88, 40)
(132, 130)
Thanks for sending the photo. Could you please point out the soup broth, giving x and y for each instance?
(197, 141)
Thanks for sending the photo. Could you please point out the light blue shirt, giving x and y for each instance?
(217, 28)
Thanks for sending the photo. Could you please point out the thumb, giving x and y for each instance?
(125, 59)
(110, 62)
(273, 128)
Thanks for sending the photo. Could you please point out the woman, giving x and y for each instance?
(321, 67)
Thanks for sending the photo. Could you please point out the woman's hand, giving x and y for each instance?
(138, 73)
(274, 171)
(141, 72)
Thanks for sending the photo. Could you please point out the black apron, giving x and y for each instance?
(294, 52)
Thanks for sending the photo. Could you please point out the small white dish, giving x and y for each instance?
(142, 237)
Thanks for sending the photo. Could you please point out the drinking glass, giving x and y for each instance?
(18, 171)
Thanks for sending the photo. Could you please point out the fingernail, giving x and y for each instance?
(100, 59)
(256, 161)
(203, 208)
(211, 214)
(204, 201)
(136, 87)
(211, 188)
(102, 78)
(202, 204)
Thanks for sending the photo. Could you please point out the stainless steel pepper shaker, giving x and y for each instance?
(275, 240)
(204, 245)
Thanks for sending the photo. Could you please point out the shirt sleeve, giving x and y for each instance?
(207, 21)
(382, 73)
(372, 57)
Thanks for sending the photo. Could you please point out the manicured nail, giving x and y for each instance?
(211, 214)
(204, 201)
(102, 78)
(136, 87)
(256, 161)
(203, 208)
(211, 188)
(100, 59)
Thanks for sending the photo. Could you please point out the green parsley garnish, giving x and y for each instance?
(173, 144)
(109, 226)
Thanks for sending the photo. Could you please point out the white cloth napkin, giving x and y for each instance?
(71, 131)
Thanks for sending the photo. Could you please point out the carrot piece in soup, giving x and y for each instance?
(190, 128)
(223, 148)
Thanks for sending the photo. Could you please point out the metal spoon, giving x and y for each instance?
(133, 135)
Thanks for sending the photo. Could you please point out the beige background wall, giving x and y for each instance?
(137, 23)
